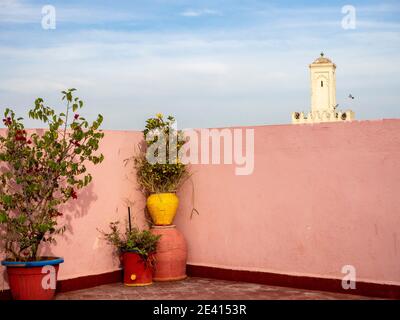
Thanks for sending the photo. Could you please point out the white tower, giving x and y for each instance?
(323, 95)
(323, 84)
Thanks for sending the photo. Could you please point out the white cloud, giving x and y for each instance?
(207, 77)
(203, 67)
(15, 11)
(379, 8)
(199, 12)
(232, 78)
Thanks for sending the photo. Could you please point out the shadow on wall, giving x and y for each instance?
(73, 209)
(188, 207)
(139, 214)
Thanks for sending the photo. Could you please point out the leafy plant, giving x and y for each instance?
(39, 172)
(168, 175)
(142, 242)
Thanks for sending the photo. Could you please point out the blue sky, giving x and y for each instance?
(209, 63)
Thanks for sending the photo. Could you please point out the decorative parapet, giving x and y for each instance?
(322, 116)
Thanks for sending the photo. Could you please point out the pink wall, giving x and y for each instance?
(320, 197)
(105, 200)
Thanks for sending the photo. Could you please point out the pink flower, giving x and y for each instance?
(7, 121)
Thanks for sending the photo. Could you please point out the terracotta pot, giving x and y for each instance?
(171, 254)
(33, 280)
(137, 272)
(162, 208)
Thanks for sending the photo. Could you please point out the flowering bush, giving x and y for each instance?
(163, 143)
(38, 173)
(144, 243)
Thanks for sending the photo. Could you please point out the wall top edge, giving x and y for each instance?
(322, 124)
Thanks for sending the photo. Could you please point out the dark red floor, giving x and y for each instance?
(203, 289)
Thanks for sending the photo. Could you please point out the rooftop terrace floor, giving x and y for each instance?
(201, 289)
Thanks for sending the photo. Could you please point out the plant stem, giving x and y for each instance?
(129, 216)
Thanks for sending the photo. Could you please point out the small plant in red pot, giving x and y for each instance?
(38, 173)
(136, 250)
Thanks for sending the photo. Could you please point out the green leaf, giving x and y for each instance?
(3, 217)
(7, 199)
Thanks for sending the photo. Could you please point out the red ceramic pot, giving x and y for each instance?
(33, 280)
(171, 254)
(137, 272)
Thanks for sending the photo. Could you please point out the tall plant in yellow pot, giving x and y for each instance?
(159, 169)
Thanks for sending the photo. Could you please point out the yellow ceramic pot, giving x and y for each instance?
(162, 208)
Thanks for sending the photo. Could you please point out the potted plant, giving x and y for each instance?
(39, 172)
(136, 250)
(160, 177)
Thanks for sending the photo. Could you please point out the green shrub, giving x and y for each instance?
(142, 242)
(39, 172)
(169, 175)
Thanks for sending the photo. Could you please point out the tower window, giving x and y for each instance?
(322, 83)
